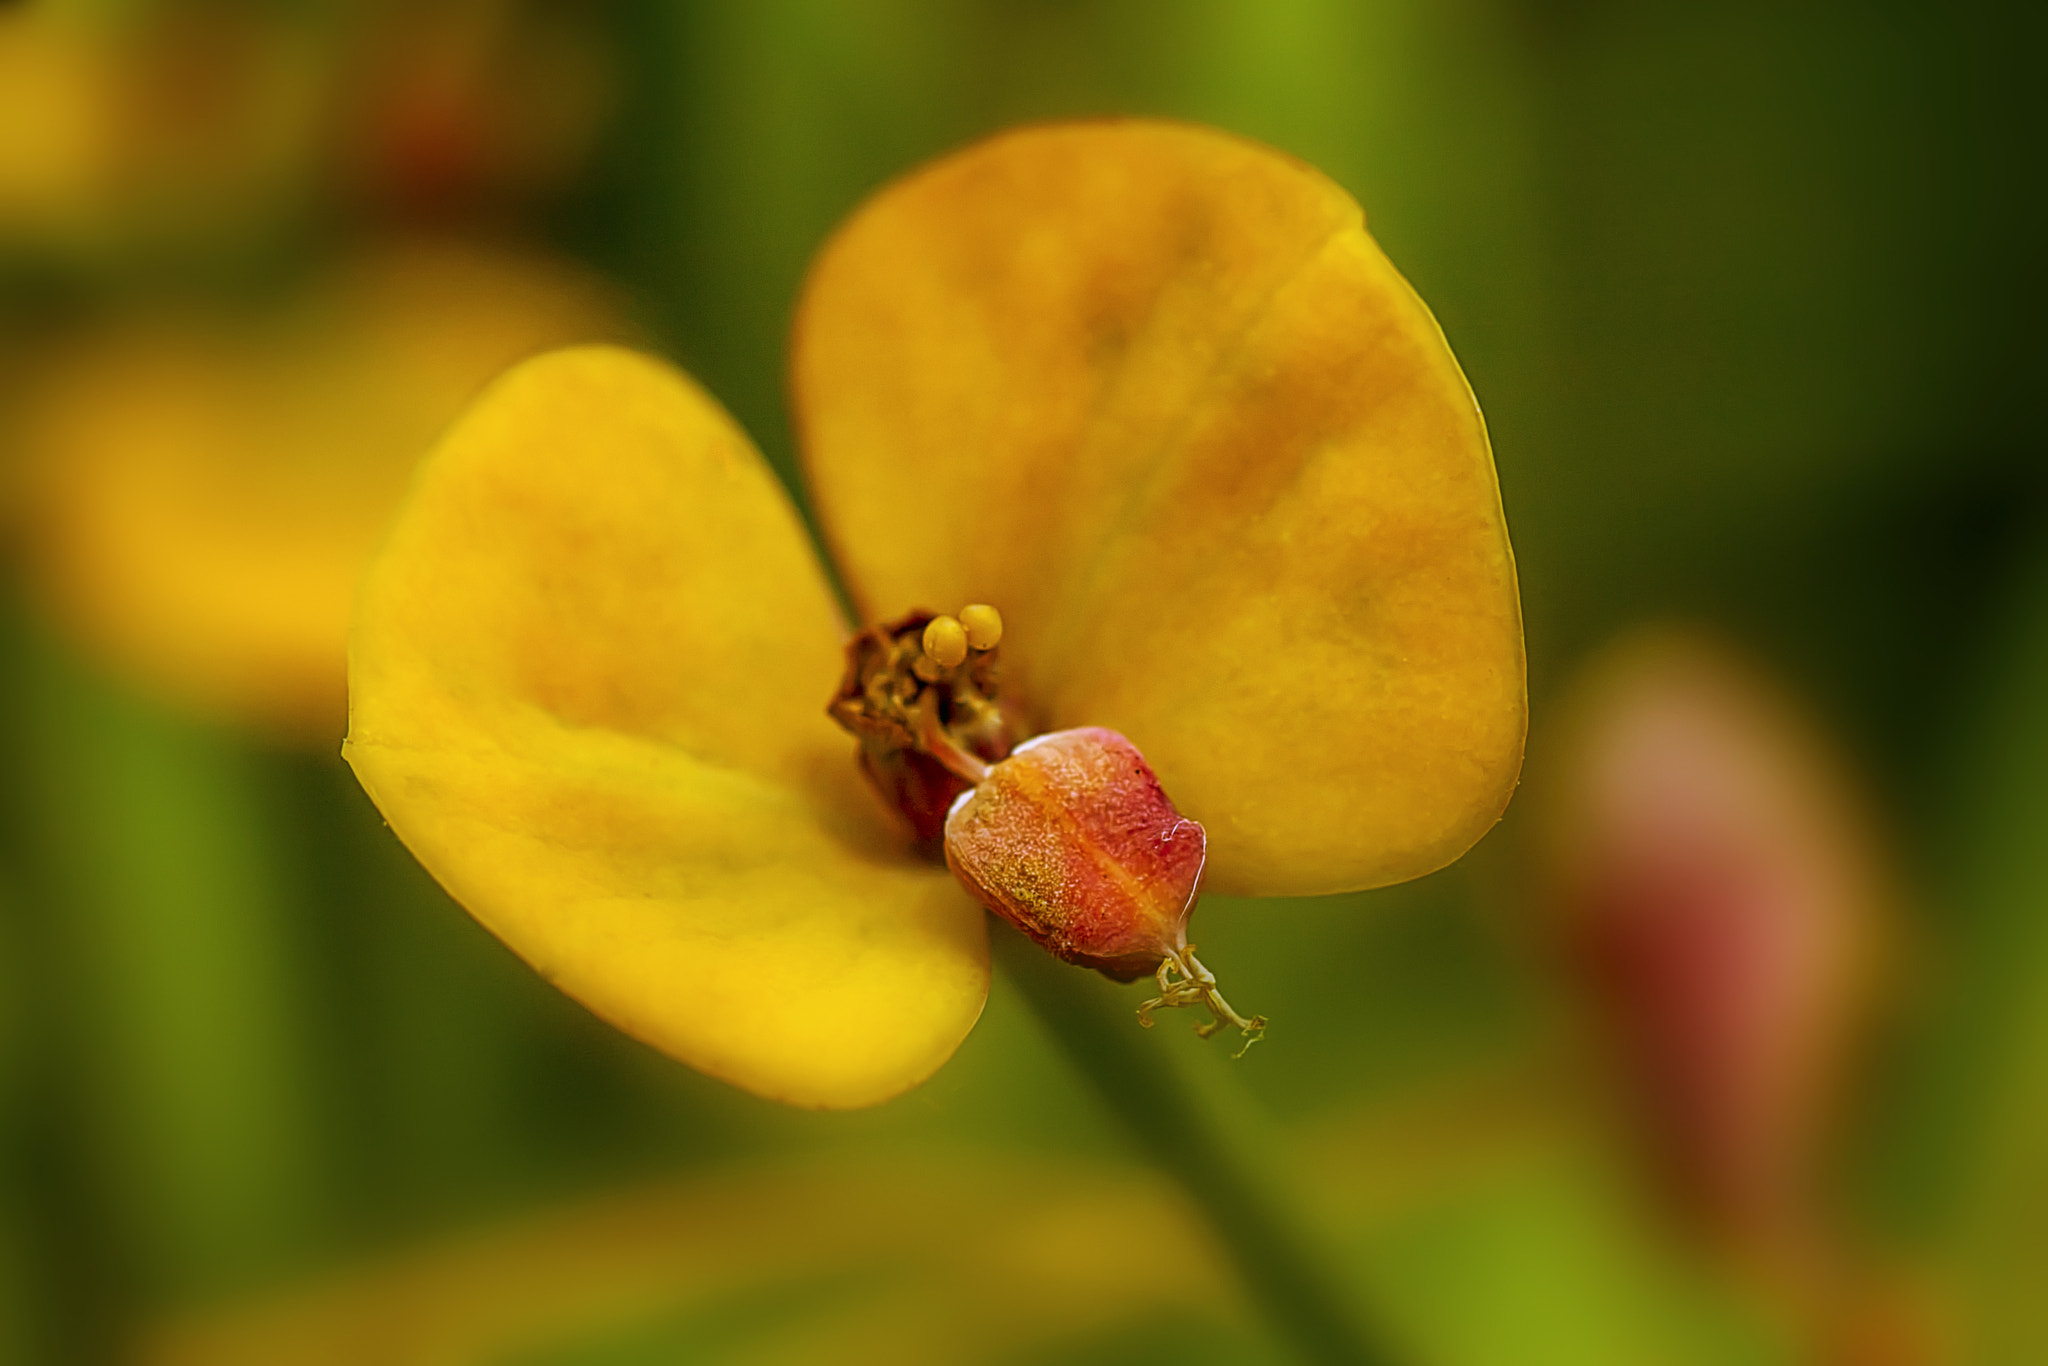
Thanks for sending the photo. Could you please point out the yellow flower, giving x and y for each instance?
(202, 491)
(1149, 389)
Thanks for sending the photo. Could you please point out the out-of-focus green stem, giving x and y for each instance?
(1186, 1129)
(179, 1012)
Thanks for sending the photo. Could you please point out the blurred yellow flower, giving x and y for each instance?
(127, 125)
(862, 1260)
(200, 493)
(129, 129)
(1149, 389)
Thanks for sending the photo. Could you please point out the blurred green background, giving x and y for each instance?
(1751, 296)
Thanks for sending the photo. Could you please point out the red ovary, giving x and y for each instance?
(1072, 839)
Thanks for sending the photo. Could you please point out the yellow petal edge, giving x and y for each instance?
(586, 684)
(1154, 392)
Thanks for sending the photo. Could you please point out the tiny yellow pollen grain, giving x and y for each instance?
(983, 624)
(945, 641)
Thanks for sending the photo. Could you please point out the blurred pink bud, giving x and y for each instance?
(1721, 897)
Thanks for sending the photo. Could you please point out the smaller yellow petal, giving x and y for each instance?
(587, 689)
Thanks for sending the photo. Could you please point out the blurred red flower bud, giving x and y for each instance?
(1720, 894)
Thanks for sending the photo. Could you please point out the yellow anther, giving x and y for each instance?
(983, 624)
(945, 641)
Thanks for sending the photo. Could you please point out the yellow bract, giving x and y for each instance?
(1154, 392)
(587, 689)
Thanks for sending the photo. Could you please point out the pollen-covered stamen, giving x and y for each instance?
(983, 625)
(920, 695)
(945, 643)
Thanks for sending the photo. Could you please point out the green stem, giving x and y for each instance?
(1186, 1129)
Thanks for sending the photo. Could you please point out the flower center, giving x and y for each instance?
(920, 695)
(1068, 836)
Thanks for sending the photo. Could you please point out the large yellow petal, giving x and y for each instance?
(1154, 392)
(587, 684)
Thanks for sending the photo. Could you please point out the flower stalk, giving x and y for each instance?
(1185, 1127)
